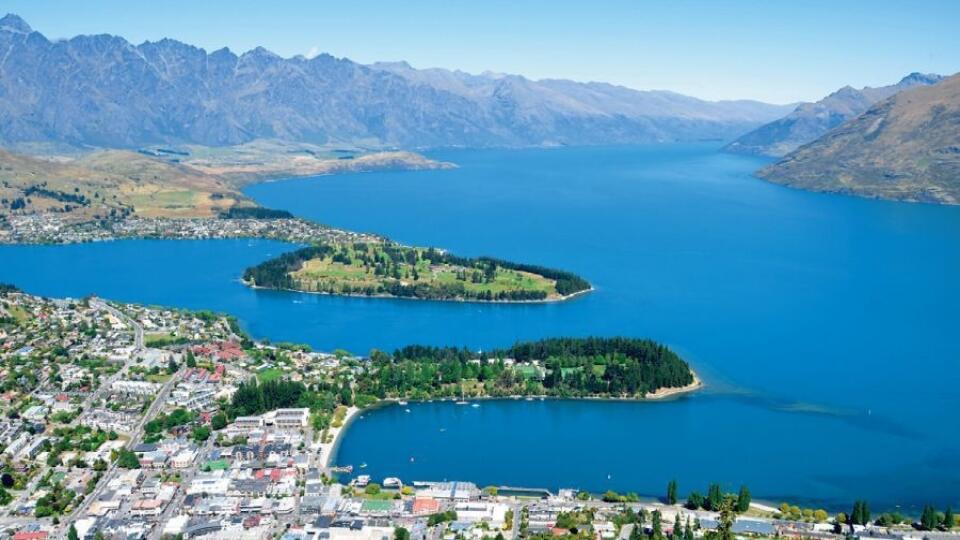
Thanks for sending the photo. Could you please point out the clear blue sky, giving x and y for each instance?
(776, 51)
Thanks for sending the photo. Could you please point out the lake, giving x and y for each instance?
(825, 326)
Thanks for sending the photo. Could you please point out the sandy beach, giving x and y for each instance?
(327, 449)
(664, 393)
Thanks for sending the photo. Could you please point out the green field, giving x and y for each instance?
(269, 374)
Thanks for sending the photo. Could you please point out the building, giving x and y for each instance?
(291, 418)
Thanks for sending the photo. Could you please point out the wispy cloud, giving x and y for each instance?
(315, 50)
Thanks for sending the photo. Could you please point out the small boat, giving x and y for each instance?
(474, 405)
(442, 429)
(411, 459)
(406, 410)
(461, 403)
(529, 399)
(363, 465)
(402, 403)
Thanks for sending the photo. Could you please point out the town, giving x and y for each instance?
(51, 228)
(125, 421)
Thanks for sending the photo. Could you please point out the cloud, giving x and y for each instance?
(315, 50)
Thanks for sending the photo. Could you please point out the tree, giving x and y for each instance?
(929, 520)
(657, 526)
(218, 421)
(677, 528)
(694, 500)
(949, 520)
(72, 533)
(171, 366)
(860, 514)
(201, 433)
(725, 520)
(401, 533)
(714, 497)
(743, 499)
(672, 492)
(127, 459)
(191, 359)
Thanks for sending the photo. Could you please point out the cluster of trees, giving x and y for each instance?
(395, 267)
(255, 213)
(860, 514)
(41, 190)
(931, 520)
(441, 517)
(255, 397)
(176, 418)
(569, 367)
(715, 498)
(275, 273)
(54, 502)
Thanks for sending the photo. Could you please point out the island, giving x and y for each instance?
(388, 269)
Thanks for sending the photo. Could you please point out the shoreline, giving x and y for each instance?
(327, 450)
(460, 300)
(665, 393)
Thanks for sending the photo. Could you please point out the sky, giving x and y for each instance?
(775, 51)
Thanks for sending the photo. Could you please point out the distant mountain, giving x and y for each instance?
(906, 147)
(811, 120)
(104, 91)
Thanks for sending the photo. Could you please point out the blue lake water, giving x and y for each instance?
(825, 326)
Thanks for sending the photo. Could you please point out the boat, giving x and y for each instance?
(392, 482)
(461, 403)
(363, 465)
(529, 399)
(362, 480)
(402, 403)
(406, 410)
(474, 405)
(347, 469)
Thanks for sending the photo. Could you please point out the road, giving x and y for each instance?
(135, 437)
(138, 336)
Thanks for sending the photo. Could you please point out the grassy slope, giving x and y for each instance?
(906, 147)
(115, 180)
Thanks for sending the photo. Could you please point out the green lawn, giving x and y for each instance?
(269, 374)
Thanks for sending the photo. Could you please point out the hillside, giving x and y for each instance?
(100, 90)
(110, 183)
(906, 147)
(812, 120)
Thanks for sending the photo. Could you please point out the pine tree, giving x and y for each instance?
(72, 533)
(929, 520)
(714, 497)
(948, 519)
(743, 499)
(657, 526)
(672, 492)
(677, 528)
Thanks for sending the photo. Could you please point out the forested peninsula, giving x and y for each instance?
(393, 270)
(612, 368)
(616, 367)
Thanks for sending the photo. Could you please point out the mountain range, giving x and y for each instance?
(102, 91)
(906, 147)
(812, 120)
